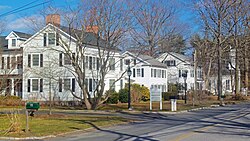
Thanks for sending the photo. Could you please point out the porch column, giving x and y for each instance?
(12, 91)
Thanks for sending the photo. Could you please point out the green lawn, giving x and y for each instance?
(43, 125)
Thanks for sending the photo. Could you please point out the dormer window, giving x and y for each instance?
(13, 42)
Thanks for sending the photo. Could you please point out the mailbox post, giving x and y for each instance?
(31, 107)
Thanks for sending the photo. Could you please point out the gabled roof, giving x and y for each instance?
(149, 61)
(181, 57)
(19, 35)
(23, 35)
(88, 37)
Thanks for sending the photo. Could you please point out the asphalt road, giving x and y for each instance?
(228, 123)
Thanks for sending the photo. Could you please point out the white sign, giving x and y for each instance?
(155, 95)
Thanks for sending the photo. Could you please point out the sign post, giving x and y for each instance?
(155, 95)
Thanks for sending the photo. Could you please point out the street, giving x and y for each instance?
(227, 123)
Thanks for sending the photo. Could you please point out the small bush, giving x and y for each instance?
(123, 95)
(10, 100)
(113, 98)
(239, 97)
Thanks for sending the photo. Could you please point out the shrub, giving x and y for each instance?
(10, 100)
(145, 93)
(123, 95)
(113, 97)
(239, 97)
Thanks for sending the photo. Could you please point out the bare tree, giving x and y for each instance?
(151, 25)
(214, 15)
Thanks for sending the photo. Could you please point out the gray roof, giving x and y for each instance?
(88, 37)
(152, 62)
(22, 35)
(181, 56)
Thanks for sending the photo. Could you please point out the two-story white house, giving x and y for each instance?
(48, 63)
(146, 71)
(177, 64)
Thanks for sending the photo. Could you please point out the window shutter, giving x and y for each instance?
(41, 60)
(41, 85)
(29, 60)
(60, 85)
(28, 85)
(133, 72)
(2, 62)
(45, 39)
(142, 72)
(60, 60)
(73, 84)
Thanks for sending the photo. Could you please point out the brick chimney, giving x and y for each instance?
(53, 19)
(92, 28)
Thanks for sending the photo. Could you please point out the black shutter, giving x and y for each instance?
(60, 85)
(133, 72)
(73, 84)
(45, 39)
(142, 72)
(8, 62)
(28, 85)
(41, 85)
(29, 60)
(60, 60)
(41, 60)
(90, 85)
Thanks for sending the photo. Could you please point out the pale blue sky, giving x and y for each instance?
(33, 7)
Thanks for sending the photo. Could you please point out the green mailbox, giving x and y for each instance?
(32, 106)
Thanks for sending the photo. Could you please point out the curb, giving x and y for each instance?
(27, 138)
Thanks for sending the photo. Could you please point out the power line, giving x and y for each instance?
(17, 9)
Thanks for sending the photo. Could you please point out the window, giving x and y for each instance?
(154, 72)
(8, 62)
(66, 84)
(34, 85)
(97, 63)
(73, 84)
(192, 73)
(45, 39)
(127, 62)
(90, 63)
(227, 84)
(162, 73)
(142, 72)
(35, 61)
(199, 74)
(180, 73)
(133, 72)
(19, 62)
(170, 62)
(138, 72)
(41, 85)
(112, 84)
(13, 42)
(13, 61)
(57, 39)
(112, 64)
(67, 60)
(94, 63)
(158, 73)
(60, 85)
(51, 37)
